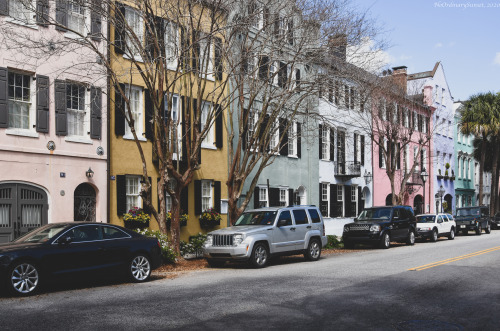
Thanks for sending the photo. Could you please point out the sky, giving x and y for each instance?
(463, 35)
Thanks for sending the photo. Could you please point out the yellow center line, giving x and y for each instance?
(453, 259)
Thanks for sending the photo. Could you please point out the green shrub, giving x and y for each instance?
(194, 246)
(167, 252)
(334, 242)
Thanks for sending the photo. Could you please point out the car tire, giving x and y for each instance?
(488, 229)
(313, 252)
(23, 278)
(479, 229)
(451, 236)
(215, 263)
(260, 255)
(385, 242)
(434, 236)
(139, 268)
(410, 240)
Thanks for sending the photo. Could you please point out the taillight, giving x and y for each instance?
(324, 232)
(159, 245)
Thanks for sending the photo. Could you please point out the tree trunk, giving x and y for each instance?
(175, 228)
(481, 170)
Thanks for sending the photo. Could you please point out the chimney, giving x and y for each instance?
(400, 77)
(338, 45)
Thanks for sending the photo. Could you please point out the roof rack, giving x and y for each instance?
(301, 206)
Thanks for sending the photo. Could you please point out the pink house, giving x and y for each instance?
(402, 128)
(53, 139)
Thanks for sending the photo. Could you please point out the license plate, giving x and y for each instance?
(462, 226)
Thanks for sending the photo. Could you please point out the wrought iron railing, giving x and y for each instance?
(348, 168)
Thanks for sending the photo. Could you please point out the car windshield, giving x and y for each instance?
(256, 218)
(426, 219)
(375, 213)
(468, 212)
(42, 234)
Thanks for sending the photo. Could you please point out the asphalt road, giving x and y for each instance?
(448, 285)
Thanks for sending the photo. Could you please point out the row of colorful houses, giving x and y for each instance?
(68, 154)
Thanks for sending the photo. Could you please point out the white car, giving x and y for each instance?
(433, 226)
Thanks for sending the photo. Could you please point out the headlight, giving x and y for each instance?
(209, 240)
(375, 228)
(237, 239)
(346, 229)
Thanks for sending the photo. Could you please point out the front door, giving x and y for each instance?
(22, 208)
(84, 205)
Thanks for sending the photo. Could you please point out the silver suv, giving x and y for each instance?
(261, 233)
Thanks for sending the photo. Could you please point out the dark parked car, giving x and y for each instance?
(76, 247)
(380, 226)
(473, 219)
(495, 222)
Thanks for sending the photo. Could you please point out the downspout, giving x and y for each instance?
(108, 126)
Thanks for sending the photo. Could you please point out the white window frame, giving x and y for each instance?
(384, 165)
(83, 28)
(209, 140)
(416, 158)
(31, 105)
(459, 167)
(79, 113)
(26, 16)
(172, 44)
(177, 125)
(424, 161)
(133, 199)
(137, 27)
(207, 199)
(340, 193)
(275, 138)
(469, 175)
(284, 194)
(325, 187)
(263, 197)
(292, 140)
(139, 113)
(325, 147)
(209, 72)
(168, 199)
(354, 195)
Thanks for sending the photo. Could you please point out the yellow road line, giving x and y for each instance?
(453, 259)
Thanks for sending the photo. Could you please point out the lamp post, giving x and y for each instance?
(424, 176)
(441, 193)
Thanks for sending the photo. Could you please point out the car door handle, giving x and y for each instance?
(292, 229)
(309, 226)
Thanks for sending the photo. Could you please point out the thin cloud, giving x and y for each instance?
(497, 59)
(367, 56)
(438, 45)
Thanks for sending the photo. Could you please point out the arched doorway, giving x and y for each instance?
(301, 196)
(388, 200)
(84, 203)
(23, 208)
(448, 199)
(418, 204)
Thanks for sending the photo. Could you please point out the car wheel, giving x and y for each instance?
(479, 229)
(140, 268)
(385, 242)
(411, 238)
(434, 235)
(313, 251)
(260, 255)
(24, 278)
(216, 263)
(451, 236)
(488, 229)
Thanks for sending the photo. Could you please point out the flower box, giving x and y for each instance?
(209, 218)
(439, 177)
(136, 218)
(133, 224)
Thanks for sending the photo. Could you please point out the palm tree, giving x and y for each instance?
(481, 118)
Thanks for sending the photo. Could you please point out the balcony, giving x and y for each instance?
(349, 169)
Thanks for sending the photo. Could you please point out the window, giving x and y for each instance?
(450, 133)
(206, 114)
(262, 197)
(113, 233)
(206, 194)
(168, 199)
(340, 193)
(469, 172)
(19, 91)
(254, 14)
(313, 214)
(206, 59)
(133, 188)
(275, 137)
(176, 127)
(424, 124)
(134, 94)
(300, 216)
(286, 216)
(415, 121)
(292, 139)
(459, 167)
(75, 105)
(134, 20)
(382, 109)
(171, 42)
(324, 191)
(84, 233)
(407, 158)
(283, 197)
(325, 143)
(252, 120)
(415, 158)
(76, 16)
(19, 11)
(353, 193)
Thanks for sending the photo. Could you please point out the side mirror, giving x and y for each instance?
(282, 223)
(64, 240)
(356, 219)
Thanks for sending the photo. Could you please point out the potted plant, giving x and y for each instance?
(183, 218)
(136, 218)
(439, 174)
(210, 218)
(452, 175)
(446, 174)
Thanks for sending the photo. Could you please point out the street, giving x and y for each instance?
(448, 285)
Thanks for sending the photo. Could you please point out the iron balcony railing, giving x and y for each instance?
(348, 168)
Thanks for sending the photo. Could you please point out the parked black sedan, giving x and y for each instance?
(76, 247)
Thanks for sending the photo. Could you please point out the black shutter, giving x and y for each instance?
(380, 153)
(121, 195)
(297, 78)
(4, 109)
(60, 102)
(290, 31)
(398, 155)
(219, 127)
(355, 148)
(95, 20)
(119, 111)
(217, 195)
(120, 28)
(219, 67)
(282, 74)
(244, 121)
(274, 197)
(334, 212)
(256, 197)
(185, 200)
(283, 123)
(299, 140)
(361, 202)
(95, 112)
(197, 197)
(196, 51)
(264, 67)
(199, 128)
(184, 107)
(148, 112)
(4, 7)
(347, 201)
(276, 25)
(42, 12)
(332, 144)
(362, 145)
(321, 141)
(61, 15)
(263, 137)
(42, 104)
(290, 197)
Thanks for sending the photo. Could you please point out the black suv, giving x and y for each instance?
(380, 226)
(473, 219)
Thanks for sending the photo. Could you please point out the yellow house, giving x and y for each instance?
(207, 189)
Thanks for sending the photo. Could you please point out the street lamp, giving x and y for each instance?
(89, 173)
(424, 176)
(441, 193)
(368, 177)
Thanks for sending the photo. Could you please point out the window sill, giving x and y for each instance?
(21, 23)
(74, 36)
(78, 139)
(208, 147)
(135, 58)
(22, 132)
(293, 156)
(139, 137)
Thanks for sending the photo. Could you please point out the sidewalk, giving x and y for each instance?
(335, 226)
